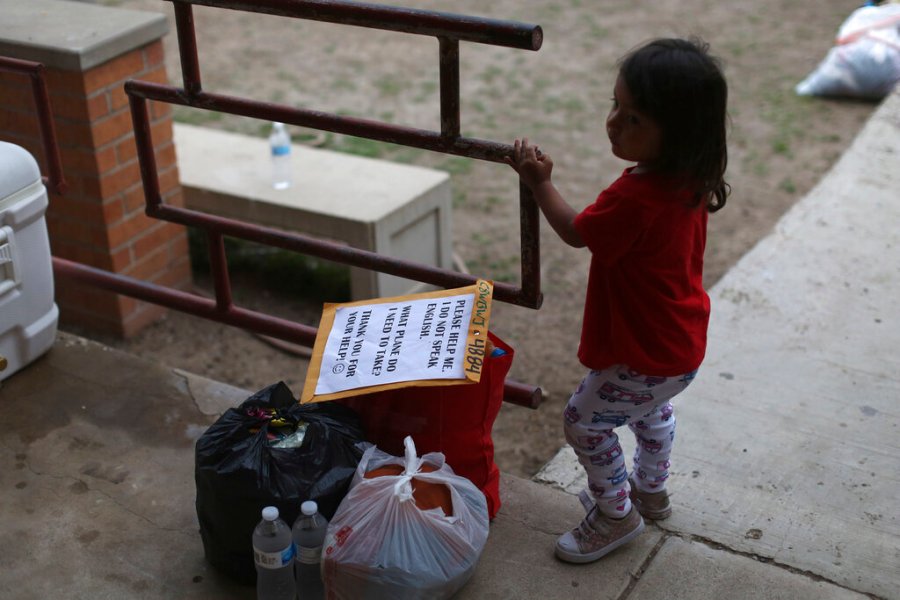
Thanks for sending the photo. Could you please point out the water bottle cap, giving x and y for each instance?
(309, 508)
(270, 513)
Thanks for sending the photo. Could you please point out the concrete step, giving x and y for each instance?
(96, 464)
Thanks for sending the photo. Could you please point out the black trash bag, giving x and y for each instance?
(238, 472)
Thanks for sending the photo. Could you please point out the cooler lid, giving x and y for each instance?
(18, 169)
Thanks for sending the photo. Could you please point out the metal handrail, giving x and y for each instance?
(495, 32)
(35, 71)
(449, 29)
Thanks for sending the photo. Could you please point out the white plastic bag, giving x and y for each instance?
(381, 545)
(865, 61)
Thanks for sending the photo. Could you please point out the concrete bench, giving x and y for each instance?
(396, 210)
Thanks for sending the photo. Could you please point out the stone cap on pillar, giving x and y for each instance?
(74, 36)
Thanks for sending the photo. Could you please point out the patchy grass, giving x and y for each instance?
(276, 269)
(491, 73)
(358, 146)
(789, 116)
(569, 105)
(490, 203)
(390, 86)
(344, 85)
(457, 165)
(788, 186)
(371, 148)
(459, 198)
(194, 116)
(499, 268)
(427, 91)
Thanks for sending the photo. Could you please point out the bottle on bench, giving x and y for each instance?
(280, 144)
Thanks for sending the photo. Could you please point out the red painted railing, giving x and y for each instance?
(35, 72)
(450, 29)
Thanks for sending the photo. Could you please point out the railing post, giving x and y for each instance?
(187, 44)
(449, 69)
(530, 219)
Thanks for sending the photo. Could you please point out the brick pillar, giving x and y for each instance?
(100, 220)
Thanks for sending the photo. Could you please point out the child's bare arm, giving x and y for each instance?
(535, 169)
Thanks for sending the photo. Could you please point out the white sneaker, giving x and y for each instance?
(597, 535)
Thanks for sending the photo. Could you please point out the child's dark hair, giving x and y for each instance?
(681, 87)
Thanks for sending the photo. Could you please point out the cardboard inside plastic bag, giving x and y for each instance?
(426, 495)
(380, 544)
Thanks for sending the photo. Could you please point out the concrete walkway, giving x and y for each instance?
(786, 464)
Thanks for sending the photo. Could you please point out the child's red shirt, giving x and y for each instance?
(645, 306)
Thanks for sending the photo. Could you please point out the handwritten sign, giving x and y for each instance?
(436, 338)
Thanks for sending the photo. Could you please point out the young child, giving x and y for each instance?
(646, 312)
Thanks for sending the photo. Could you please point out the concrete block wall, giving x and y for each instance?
(100, 220)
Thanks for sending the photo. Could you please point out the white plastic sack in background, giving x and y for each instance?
(380, 545)
(865, 62)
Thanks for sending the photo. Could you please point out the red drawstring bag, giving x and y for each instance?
(455, 419)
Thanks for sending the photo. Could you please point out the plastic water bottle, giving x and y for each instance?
(280, 143)
(273, 552)
(309, 536)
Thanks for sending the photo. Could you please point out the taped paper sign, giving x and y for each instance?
(435, 338)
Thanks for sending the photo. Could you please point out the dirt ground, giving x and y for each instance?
(780, 146)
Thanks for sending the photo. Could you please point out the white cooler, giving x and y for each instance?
(28, 315)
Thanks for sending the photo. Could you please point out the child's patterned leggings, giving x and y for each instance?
(608, 399)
